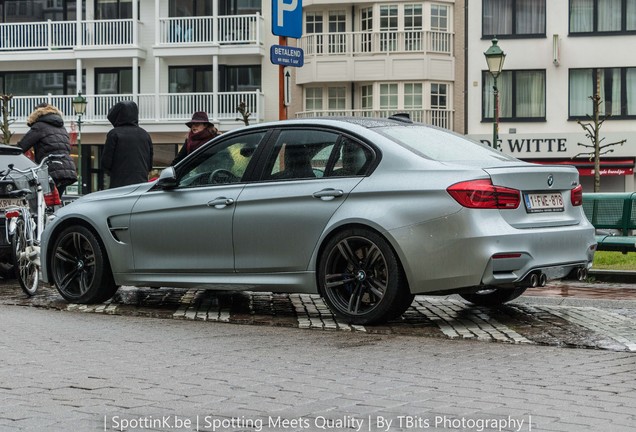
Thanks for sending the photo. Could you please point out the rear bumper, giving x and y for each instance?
(470, 249)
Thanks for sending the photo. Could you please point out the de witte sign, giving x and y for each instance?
(287, 18)
(286, 55)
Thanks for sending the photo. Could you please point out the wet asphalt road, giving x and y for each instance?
(572, 314)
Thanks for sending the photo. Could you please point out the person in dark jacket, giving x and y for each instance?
(128, 152)
(49, 136)
(201, 131)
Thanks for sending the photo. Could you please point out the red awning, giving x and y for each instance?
(609, 167)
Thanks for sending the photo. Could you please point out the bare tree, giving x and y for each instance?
(6, 110)
(592, 130)
(245, 113)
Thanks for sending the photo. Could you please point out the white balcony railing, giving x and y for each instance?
(370, 43)
(437, 117)
(164, 107)
(54, 35)
(232, 30)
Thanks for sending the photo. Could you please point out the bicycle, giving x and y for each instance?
(25, 222)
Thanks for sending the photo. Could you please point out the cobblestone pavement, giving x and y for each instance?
(599, 316)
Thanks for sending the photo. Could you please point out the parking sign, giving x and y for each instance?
(287, 18)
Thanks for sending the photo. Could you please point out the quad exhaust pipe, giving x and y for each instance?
(581, 273)
(535, 279)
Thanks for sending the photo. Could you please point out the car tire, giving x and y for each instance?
(493, 296)
(80, 267)
(26, 270)
(361, 279)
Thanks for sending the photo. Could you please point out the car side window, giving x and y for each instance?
(352, 159)
(300, 154)
(222, 163)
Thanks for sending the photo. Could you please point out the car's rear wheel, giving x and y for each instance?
(493, 296)
(80, 267)
(360, 278)
(26, 269)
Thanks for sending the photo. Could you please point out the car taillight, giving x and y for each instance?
(576, 196)
(483, 194)
(12, 214)
(52, 198)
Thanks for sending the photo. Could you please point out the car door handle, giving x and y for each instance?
(328, 194)
(220, 202)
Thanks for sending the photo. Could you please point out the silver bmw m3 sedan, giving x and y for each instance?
(366, 212)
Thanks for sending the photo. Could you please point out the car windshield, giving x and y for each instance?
(440, 145)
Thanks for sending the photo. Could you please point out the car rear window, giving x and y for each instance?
(440, 145)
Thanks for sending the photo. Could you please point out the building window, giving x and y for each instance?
(521, 95)
(366, 97)
(602, 16)
(439, 18)
(413, 27)
(513, 18)
(239, 78)
(38, 83)
(113, 9)
(190, 8)
(190, 79)
(314, 29)
(313, 99)
(388, 96)
(337, 98)
(616, 89)
(413, 96)
(337, 29)
(439, 96)
(388, 27)
(366, 27)
(239, 7)
(113, 81)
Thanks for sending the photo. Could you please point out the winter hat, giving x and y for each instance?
(198, 117)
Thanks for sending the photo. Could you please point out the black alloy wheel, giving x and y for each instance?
(80, 267)
(361, 279)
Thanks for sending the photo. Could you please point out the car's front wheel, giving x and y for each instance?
(360, 278)
(80, 267)
(493, 296)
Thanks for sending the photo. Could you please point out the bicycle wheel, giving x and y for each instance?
(26, 268)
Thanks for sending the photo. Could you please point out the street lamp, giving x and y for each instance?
(79, 106)
(495, 59)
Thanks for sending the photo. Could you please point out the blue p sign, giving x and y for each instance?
(287, 18)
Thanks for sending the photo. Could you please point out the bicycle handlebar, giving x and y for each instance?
(52, 158)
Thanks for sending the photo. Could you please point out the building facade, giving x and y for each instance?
(173, 57)
(375, 58)
(558, 55)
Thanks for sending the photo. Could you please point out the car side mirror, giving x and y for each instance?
(167, 179)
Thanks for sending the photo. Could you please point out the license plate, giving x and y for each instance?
(8, 202)
(543, 202)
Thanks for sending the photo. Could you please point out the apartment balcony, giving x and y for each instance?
(158, 112)
(436, 117)
(55, 40)
(369, 56)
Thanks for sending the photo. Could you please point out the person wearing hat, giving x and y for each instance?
(201, 131)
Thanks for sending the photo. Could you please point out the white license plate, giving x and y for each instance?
(543, 202)
(8, 202)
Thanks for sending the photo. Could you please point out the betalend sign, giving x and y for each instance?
(286, 55)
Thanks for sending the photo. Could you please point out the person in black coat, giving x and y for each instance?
(128, 152)
(49, 136)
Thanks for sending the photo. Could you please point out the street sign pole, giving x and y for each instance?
(282, 109)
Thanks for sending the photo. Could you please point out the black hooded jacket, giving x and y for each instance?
(127, 155)
(49, 136)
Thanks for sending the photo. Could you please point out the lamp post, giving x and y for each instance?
(79, 106)
(495, 59)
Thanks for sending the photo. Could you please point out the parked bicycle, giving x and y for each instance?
(25, 222)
